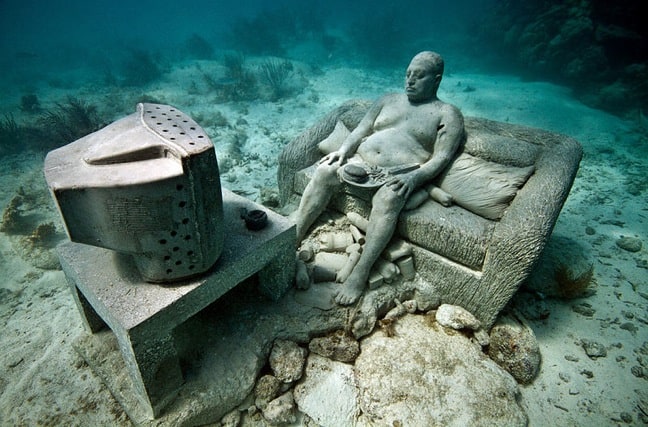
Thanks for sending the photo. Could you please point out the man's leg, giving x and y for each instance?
(385, 209)
(316, 197)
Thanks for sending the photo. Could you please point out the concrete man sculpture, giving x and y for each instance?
(410, 138)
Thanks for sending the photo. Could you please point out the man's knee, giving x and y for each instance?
(387, 200)
(326, 175)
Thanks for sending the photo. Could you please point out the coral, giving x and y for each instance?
(68, 122)
(30, 104)
(10, 134)
(44, 235)
(12, 220)
(238, 84)
(572, 285)
(140, 69)
(276, 76)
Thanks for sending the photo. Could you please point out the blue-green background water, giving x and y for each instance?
(576, 67)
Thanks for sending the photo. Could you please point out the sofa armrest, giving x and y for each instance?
(521, 234)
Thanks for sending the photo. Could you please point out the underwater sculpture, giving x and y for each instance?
(474, 232)
(401, 144)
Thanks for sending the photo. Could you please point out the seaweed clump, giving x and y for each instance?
(276, 74)
(572, 285)
(11, 134)
(140, 69)
(30, 104)
(68, 122)
(238, 84)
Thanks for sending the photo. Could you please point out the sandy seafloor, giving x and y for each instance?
(44, 382)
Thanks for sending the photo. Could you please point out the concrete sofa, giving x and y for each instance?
(474, 259)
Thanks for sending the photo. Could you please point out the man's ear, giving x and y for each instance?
(437, 79)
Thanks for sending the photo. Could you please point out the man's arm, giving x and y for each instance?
(450, 135)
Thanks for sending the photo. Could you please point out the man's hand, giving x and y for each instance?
(338, 157)
(403, 184)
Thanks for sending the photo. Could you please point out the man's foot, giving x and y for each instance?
(302, 279)
(351, 290)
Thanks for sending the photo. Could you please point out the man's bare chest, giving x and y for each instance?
(420, 122)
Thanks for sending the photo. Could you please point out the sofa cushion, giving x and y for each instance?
(452, 232)
(334, 141)
(483, 187)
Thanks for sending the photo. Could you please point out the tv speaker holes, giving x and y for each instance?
(178, 262)
(187, 237)
(167, 257)
(185, 221)
(176, 249)
(169, 271)
(182, 204)
(162, 241)
(190, 253)
(191, 267)
(173, 233)
(179, 187)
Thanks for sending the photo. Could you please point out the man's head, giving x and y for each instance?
(423, 76)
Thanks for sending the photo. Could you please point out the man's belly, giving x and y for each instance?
(389, 149)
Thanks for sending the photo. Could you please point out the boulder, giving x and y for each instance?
(327, 392)
(424, 375)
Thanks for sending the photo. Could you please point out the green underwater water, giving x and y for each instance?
(254, 77)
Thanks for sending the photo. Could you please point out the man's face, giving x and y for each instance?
(420, 82)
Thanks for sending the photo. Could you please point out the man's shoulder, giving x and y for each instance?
(391, 97)
(450, 110)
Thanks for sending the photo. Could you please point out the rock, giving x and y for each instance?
(514, 347)
(287, 360)
(423, 376)
(281, 410)
(232, 419)
(481, 337)
(455, 317)
(266, 389)
(594, 349)
(337, 346)
(630, 244)
(327, 393)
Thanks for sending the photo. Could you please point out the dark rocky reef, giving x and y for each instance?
(598, 48)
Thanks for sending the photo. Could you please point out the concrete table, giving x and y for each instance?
(109, 291)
